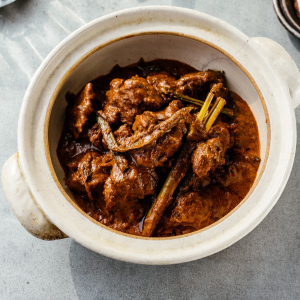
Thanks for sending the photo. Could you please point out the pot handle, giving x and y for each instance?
(23, 203)
(284, 66)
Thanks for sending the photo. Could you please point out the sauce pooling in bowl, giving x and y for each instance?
(128, 131)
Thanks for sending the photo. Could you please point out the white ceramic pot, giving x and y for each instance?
(258, 69)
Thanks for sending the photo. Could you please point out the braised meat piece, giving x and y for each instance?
(191, 209)
(128, 98)
(89, 171)
(162, 83)
(165, 147)
(145, 122)
(197, 133)
(123, 217)
(198, 81)
(142, 123)
(78, 113)
(232, 175)
(69, 148)
(243, 169)
(122, 192)
(169, 111)
(221, 206)
(125, 185)
(122, 134)
(189, 82)
(96, 138)
(152, 156)
(219, 90)
(209, 155)
(156, 155)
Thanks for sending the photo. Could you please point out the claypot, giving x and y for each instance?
(258, 69)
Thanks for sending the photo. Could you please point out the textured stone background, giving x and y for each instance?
(263, 265)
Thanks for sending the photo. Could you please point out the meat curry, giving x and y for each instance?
(158, 148)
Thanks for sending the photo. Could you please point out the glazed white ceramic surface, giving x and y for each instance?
(23, 203)
(261, 72)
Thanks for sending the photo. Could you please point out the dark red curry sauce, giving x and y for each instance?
(120, 198)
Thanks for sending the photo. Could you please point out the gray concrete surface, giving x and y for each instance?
(263, 265)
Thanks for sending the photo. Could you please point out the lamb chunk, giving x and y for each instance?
(221, 206)
(210, 154)
(89, 171)
(69, 148)
(78, 113)
(192, 210)
(198, 81)
(133, 183)
(145, 121)
(232, 175)
(112, 114)
(219, 90)
(121, 216)
(95, 136)
(141, 139)
(122, 134)
(169, 111)
(130, 98)
(191, 182)
(197, 132)
(165, 147)
(243, 169)
(116, 83)
(111, 110)
(220, 130)
(162, 83)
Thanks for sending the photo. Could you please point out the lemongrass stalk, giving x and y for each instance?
(109, 137)
(205, 107)
(195, 101)
(215, 113)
